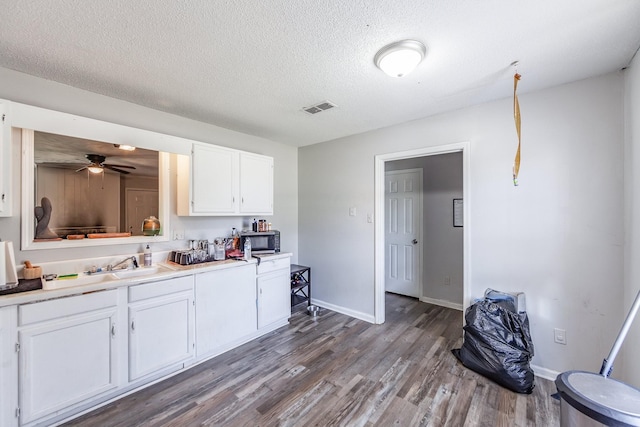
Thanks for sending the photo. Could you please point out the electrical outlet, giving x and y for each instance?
(560, 336)
(370, 218)
(352, 211)
(447, 280)
(178, 234)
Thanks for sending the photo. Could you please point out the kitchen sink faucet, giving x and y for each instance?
(124, 261)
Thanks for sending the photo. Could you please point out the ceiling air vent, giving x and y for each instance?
(322, 106)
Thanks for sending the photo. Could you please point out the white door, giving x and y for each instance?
(225, 308)
(256, 184)
(274, 297)
(160, 333)
(140, 204)
(214, 177)
(66, 361)
(403, 201)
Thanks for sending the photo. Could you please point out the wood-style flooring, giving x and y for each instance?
(338, 371)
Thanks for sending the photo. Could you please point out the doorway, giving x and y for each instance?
(139, 204)
(381, 214)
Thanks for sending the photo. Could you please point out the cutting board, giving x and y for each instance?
(107, 235)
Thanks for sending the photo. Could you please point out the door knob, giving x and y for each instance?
(415, 241)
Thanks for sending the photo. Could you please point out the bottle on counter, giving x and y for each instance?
(269, 227)
(247, 249)
(254, 225)
(235, 239)
(147, 256)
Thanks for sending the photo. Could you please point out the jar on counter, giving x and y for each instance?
(262, 225)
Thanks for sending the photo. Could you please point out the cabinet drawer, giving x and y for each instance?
(267, 265)
(64, 307)
(163, 287)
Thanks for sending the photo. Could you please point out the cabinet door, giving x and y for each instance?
(66, 361)
(160, 333)
(214, 178)
(5, 160)
(225, 308)
(274, 297)
(256, 184)
(8, 366)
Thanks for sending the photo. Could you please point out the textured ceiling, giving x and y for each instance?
(251, 66)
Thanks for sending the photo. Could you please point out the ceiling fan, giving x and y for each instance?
(97, 165)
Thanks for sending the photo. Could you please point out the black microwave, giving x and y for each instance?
(262, 242)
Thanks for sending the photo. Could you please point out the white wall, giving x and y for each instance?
(31, 90)
(558, 236)
(631, 347)
(442, 246)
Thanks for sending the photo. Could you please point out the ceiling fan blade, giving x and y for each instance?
(115, 169)
(119, 166)
(82, 168)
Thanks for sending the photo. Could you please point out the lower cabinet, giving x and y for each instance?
(274, 292)
(8, 367)
(225, 308)
(63, 356)
(67, 352)
(161, 326)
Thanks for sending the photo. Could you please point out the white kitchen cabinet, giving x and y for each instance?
(225, 308)
(161, 326)
(5, 159)
(8, 367)
(68, 352)
(209, 184)
(219, 181)
(256, 184)
(274, 292)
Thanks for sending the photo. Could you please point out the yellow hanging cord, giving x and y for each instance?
(516, 117)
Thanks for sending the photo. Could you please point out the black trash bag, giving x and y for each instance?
(497, 344)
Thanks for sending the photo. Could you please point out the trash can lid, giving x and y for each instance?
(603, 399)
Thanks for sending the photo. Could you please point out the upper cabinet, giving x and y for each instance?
(210, 183)
(256, 184)
(218, 181)
(5, 160)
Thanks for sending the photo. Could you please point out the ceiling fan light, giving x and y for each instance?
(400, 58)
(125, 147)
(95, 169)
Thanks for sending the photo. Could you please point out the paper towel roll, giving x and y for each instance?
(8, 274)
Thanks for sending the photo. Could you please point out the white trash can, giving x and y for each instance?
(588, 399)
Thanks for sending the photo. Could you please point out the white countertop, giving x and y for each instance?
(168, 270)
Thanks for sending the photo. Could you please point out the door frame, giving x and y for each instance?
(420, 227)
(379, 206)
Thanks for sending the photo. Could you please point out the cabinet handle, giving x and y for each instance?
(113, 329)
(133, 325)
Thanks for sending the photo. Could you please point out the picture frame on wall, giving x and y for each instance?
(458, 213)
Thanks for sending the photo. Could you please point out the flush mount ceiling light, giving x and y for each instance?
(125, 147)
(400, 58)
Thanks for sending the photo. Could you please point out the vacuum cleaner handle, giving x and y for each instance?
(607, 364)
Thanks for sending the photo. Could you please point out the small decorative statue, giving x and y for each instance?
(43, 215)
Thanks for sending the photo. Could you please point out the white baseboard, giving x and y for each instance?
(357, 314)
(442, 303)
(545, 373)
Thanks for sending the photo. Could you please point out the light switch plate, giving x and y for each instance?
(352, 211)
